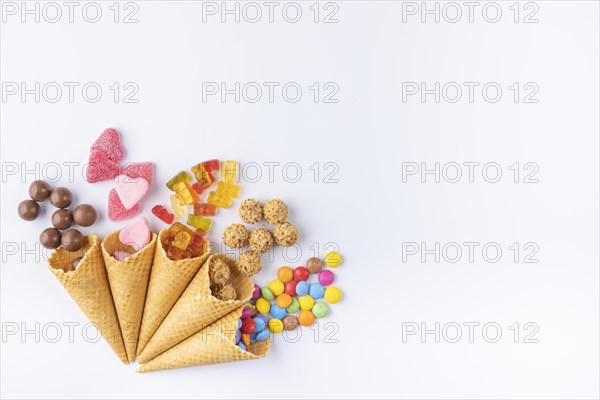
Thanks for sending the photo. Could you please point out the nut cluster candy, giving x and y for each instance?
(236, 236)
(62, 219)
(220, 285)
(291, 293)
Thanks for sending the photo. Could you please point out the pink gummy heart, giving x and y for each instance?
(116, 209)
(120, 255)
(136, 234)
(139, 170)
(109, 143)
(100, 168)
(131, 190)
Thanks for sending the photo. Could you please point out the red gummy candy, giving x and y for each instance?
(211, 166)
(109, 143)
(100, 168)
(163, 214)
(205, 209)
(139, 170)
(199, 188)
(116, 209)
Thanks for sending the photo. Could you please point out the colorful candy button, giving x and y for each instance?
(333, 259)
(294, 307)
(284, 300)
(267, 293)
(306, 302)
(285, 274)
(275, 325)
(301, 274)
(306, 318)
(290, 288)
(262, 335)
(302, 288)
(277, 312)
(333, 295)
(326, 277)
(262, 305)
(320, 309)
(277, 287)
(316, 290)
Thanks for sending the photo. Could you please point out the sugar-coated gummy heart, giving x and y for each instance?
(139, 170)
(101, 168)
(120, 255)
(136, 234)
(131, 190)
(116, 209)
(109, 143)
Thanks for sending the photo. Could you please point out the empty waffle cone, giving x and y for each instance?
(214, 344)
(168, 279)
(129, 284)
(197, 308)
(88, 286)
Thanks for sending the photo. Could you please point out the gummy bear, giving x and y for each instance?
(176, 254)
(179, 210)
(180, 177)
(201, 174)
(228, 171)
(163, 214)
(208, 210)
(199, 188)
(182, 240)
(199, 222)
(185, 193)
(211, 166)
(219, 200)
(228, 189)
(197, 244)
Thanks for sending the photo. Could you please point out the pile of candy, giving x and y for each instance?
(189, 194)
(252, 328)
(51, 238)
(181, 242)
(292, 292)
(132, 182)
(220, 285)
(261, 240)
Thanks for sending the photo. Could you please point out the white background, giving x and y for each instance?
(369, 212)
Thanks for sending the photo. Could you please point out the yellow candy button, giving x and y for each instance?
(275, 325)
(332, 295)
(306, 302)
(276, 286)
(333, 259)
(263, 306)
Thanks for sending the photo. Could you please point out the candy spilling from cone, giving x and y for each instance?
(164, 297)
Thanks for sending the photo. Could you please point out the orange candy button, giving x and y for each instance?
(306, 318)
(285, 274)
(284, 300)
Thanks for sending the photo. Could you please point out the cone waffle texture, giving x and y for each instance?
(88, 286)
(168, 279)
(197, 308)
(129, 284)
(212, 345)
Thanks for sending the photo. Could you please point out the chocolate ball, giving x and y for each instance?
(84, 215)
(28, 210)
(62, 219)
(39, 190)
(72, 240)
(314, 265)
(61, 197)
(50, 238)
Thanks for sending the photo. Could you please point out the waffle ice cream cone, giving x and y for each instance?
(88, 286)
(212, 345)
(168, 279)
(197, 308)
(129, 284)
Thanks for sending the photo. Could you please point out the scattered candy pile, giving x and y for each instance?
(220, 285)
(252, 328)
(132, 182)
(289, 293)
(181, 242)
(51, 238)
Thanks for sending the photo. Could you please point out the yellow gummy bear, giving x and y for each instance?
(178, 209)
(228, 171)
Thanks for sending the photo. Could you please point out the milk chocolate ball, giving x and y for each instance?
(39, 190)
(84, 215)
(61, 197)
(314, 265)
(62, 219)
(72, 240)
(28, 210)
(50, 238)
